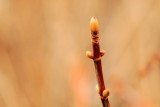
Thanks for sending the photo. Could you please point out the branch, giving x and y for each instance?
(96, 56)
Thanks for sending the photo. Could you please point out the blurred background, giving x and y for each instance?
(43, 45)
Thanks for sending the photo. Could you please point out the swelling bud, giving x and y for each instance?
(94, 26)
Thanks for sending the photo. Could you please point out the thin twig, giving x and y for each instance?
(96, 56)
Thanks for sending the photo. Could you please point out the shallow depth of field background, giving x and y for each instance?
(43, 45)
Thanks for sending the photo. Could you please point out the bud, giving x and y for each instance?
(106, 93)
(102, 52)
(89, 54)
(94, 26)
(97, 88)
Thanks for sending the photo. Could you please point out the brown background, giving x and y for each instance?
(43, 44)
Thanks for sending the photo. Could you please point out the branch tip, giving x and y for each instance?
(94, 26)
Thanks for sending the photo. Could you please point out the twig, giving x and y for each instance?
(154, 58)
(96, 56)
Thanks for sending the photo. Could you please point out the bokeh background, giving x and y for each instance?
(43, 45)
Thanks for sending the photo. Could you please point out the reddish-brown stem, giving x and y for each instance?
(96, 56)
